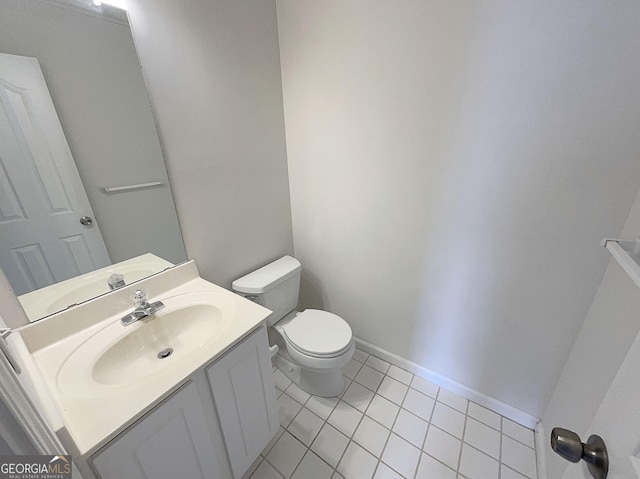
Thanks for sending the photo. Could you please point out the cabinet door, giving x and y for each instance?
(172, 441)
(243, 391)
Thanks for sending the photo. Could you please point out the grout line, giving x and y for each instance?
(424, 441)
(300, 462)
(308, 448)
(480, 420)
(276, 469)
(535, 454)
(464, 430)
(520, 442)
(348, 382)
(350, 440)
(387, 440)
(500, 453)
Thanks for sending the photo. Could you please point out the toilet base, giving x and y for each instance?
(324, 383)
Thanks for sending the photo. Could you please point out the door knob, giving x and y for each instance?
(86, 220)
(594, 452)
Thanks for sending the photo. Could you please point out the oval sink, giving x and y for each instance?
(136, 354)
(120, 356)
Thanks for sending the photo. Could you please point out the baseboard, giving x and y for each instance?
(523, 418)
(541, 442)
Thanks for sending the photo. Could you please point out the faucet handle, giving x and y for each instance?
(139, 298)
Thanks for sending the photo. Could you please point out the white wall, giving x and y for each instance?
(453, 168)
(94, 77)
(213, 73)
(612, 323)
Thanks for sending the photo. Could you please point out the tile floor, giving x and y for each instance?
(389, 424)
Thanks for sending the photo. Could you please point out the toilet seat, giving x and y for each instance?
(318, 334)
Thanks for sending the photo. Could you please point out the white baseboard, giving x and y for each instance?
(501, 408)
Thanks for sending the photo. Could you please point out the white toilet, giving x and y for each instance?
(313, 345)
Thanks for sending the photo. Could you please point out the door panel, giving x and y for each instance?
(244, 394)
(617, 421)
(170, 442)
(42, 197)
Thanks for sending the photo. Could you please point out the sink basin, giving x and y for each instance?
(119, 356)
(59, 296)
(93, 286)
(136, 354)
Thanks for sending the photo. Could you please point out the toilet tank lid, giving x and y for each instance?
(268, 276)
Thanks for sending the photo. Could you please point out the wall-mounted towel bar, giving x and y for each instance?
(139, 186)
(627, 253)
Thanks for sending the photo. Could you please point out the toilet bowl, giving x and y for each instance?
(313, 345)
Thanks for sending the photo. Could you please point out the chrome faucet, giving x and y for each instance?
(116, 281)
(144, 309)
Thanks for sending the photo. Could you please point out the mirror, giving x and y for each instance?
(85, 201)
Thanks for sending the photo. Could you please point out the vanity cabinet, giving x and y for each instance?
(244, 395)
(172, 441)
(189, 436)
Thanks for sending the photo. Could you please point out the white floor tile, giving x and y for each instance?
(393, 390)
(507, 473)
(410, 427)
(424, 386)
(305, 426)
(286, 454)
(393, 439)
(312, 467)
(378, 364)
(429, 468)
(358, 396)
(419, 404)
(253, 467)
(371, 435)
(330, 444)
(482, 437)
(484, 415)
(443, 447)
(322, 406)
(297, 393)
(360, 356)
(518, 456)
(266, 471)
(345, 418)
(448, 419)
(347, 383)
(357, 463)
(518, 432)
(453, 400)
(288, 408)
(401, 456)
(385, 472)
(369, 377)
(282, 382)
(268, 447)
(476, 465)
(400, 374)
(351, 368)
(383, 411)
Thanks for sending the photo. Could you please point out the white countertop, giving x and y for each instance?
(58, 296)
(95, 413)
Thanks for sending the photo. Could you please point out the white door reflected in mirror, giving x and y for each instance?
(44, 238)
(90, 66)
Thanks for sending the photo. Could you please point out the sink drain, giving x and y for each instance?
(165, 353)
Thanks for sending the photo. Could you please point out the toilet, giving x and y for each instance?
(311, 346)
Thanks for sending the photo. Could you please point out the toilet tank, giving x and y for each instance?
(274, 286)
